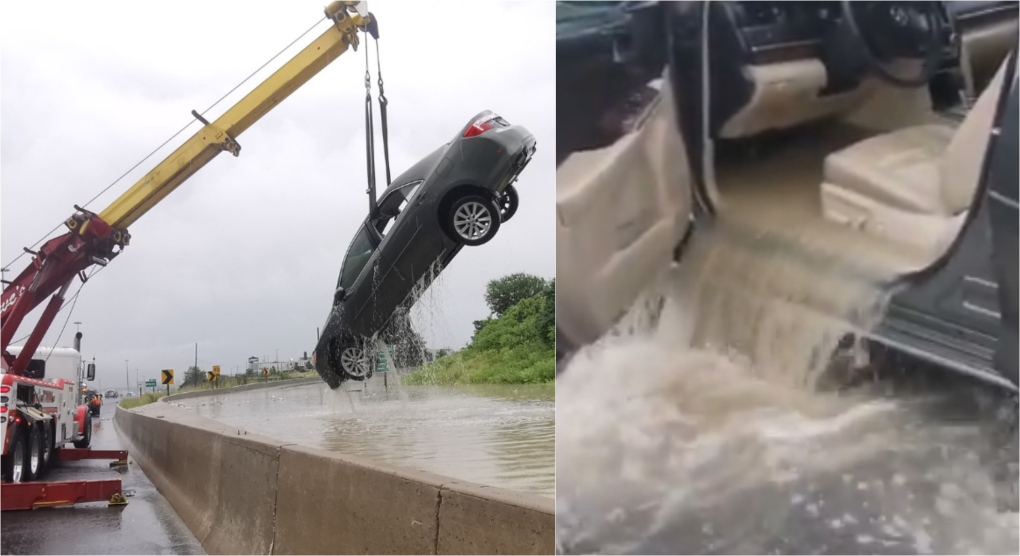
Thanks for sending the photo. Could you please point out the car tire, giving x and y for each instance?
(508, 203)
(473, 220)
(354, 361)
(34, 462)
(15, 462)
(86, 440)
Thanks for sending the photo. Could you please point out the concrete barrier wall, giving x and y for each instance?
(245, 388)
(241, 493)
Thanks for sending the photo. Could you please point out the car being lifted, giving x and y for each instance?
(458, 195)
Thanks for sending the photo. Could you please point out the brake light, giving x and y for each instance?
(3, 409)
(5, 389)
(480, 126)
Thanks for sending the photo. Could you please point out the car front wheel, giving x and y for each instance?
(473, 220)
(356, 361)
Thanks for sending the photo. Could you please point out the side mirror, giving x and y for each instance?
(90, 372)
(339, 295)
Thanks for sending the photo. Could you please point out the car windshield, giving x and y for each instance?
(357, 257)
(392, 204)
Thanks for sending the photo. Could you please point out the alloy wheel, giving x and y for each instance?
(472, 220)
(355, 361)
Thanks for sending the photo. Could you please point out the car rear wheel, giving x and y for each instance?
(508, 202)
(356, 361)
(473, 220)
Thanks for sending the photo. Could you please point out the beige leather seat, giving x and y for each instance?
(912, 185)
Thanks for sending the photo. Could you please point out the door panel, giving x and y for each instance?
(1002, 194)
(621, 211)
(964, 314)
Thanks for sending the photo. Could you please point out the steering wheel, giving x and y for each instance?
(909, 30)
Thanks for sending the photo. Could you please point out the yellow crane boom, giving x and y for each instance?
(221, 134)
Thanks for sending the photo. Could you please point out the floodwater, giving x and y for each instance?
(696, 427)
(497, 435)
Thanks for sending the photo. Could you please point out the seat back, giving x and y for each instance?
(961, 165)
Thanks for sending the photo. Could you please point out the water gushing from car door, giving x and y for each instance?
(696, 427)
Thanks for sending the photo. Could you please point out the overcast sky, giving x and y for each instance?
(244, 256)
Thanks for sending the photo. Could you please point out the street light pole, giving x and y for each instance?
(127, 375)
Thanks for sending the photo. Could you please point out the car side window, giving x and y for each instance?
(393, 204)
(358, 255)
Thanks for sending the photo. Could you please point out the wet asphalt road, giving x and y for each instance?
(147, 525)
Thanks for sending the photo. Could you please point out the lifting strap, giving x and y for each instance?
(369, 134)
(382, 114)
(370, 125)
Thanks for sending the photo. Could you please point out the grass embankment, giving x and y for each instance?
(144, 399)
(515, 348)
(224, 382)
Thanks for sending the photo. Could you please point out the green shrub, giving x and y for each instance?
(511, 349)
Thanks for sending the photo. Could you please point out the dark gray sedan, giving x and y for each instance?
(458, 195)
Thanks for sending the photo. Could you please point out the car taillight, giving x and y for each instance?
(480, 126)
(3, 409)
(5, 389)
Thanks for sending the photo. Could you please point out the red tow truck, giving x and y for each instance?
(41, 414)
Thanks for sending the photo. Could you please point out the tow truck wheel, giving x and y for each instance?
(47, 454)
(86, 438)
(14, 462)
(35, 453)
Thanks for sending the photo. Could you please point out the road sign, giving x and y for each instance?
(150, 383)
(381, 365)
(168, 376)
(265, 372)
(216, 370)
(211, 377)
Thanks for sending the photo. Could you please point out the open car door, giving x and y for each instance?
(623, 182)
(961, 313)
(1004, 212)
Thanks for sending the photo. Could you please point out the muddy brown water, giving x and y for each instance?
(497, 435)
(695, 427)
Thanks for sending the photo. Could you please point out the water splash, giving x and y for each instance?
(695, 426)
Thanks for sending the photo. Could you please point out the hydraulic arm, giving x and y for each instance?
(95, 239)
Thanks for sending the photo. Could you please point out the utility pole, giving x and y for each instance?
(127, 375)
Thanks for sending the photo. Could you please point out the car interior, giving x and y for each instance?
(872, 163)
(857, 127)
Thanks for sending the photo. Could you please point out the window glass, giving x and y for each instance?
(392, 205)
(358, 254)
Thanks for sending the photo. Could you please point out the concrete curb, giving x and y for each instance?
(241, 493)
